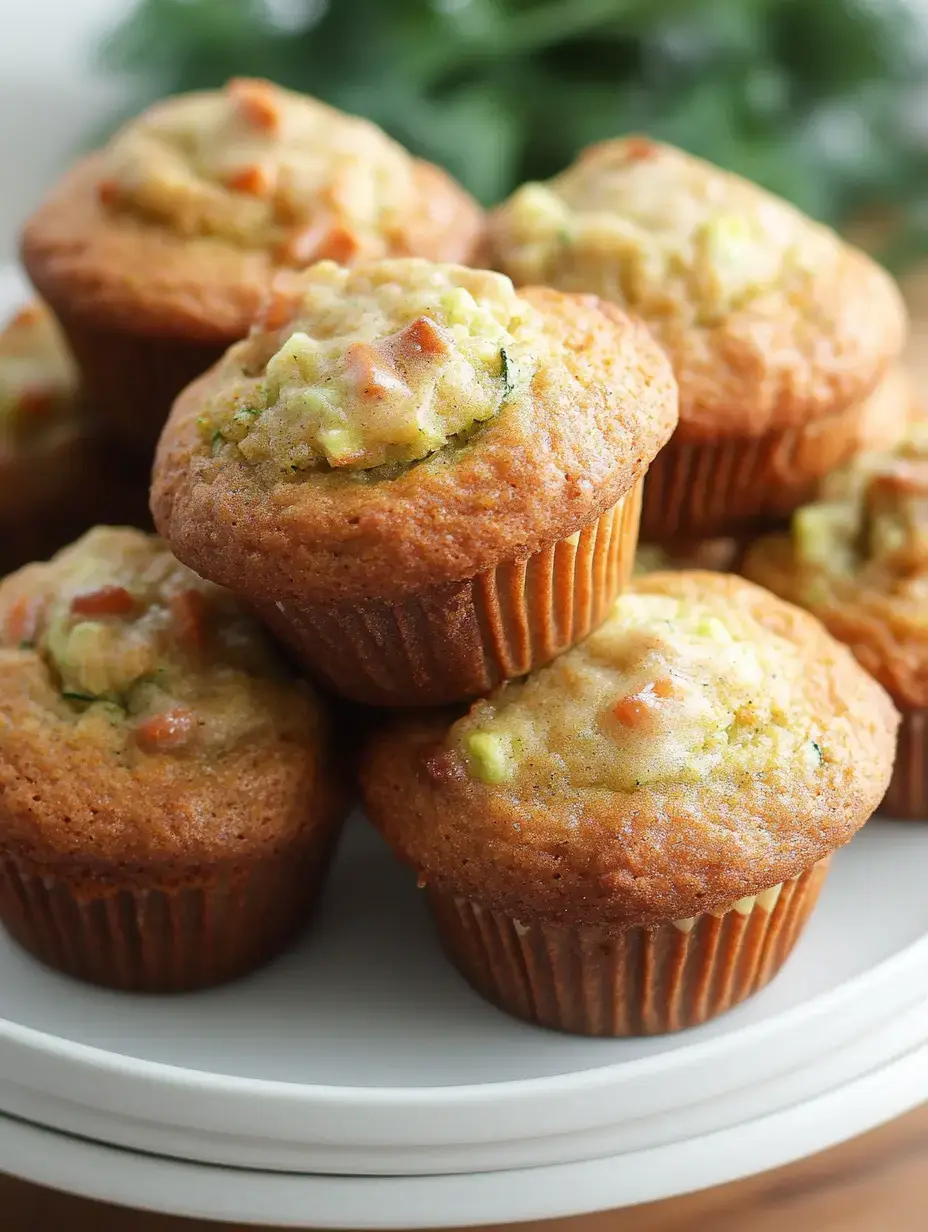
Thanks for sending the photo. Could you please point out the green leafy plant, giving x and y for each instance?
(813, 98)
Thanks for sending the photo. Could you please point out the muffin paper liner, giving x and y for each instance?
(458, 641)
(132, 380)
(702, 490)
(907, 795)
(593, 980)
(168, 939)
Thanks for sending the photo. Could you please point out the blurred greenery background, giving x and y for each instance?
(823, 101)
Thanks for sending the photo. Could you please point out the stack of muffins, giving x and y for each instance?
(423, 481)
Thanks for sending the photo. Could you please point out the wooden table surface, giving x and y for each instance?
(877, 1183)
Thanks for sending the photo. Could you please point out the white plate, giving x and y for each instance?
(362, 1052)
(205, 1192)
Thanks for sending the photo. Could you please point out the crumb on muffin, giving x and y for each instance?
(380, 364)
(38, 379)
(134, 652)
(260, 166)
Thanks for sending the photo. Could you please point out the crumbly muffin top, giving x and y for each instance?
(262, 167)
(383, 363)
(38, 379)
(660, 231)
(669, 690)
(706, 258)
(858, 558)
(707, 743)
(138, 655)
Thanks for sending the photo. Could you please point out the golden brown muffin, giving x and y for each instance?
(158, 252)
(777, 330)
(858, 559)
(56, 476)
(166, 803)
(630, 841)
(425, 483)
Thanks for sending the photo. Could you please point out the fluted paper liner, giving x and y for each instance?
(907, 795)
(132, 379)
(458, 641)
(628, 982)
(698, 490)
(167, 939)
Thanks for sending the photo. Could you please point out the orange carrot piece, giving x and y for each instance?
(632, 710)
(371, 372)
(21, 622)
(254, 180)
(255, 101)
(664, 688)
(640, 148)
(106, 601)
(163, 732)
(188, 608)
(421, 338)
(321, 241)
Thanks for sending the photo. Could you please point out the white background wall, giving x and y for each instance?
(51, 95)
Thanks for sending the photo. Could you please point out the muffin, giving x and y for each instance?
(425, 482)
(166, 805)
(631, 841)
(56, 476)
(858, 559)
(777, 330)
(158, 252)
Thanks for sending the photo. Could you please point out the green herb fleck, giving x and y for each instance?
(217, 440)
(818, 749)
(75, 695)
(249, 410)
(202, 422)
(506, 373)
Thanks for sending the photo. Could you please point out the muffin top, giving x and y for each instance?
(409, 424)
(263, 167)
(858, 558)
(143, 714)
(706, 743)
(768, 317)
(205, 196)
(383, 364)
(38, 382)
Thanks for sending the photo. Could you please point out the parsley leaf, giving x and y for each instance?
(506, 373)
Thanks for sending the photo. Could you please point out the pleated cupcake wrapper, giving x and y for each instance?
(131, 379)
(907, 795)
(164, 940)
(458, 641)
(632, 982)
(700, 490)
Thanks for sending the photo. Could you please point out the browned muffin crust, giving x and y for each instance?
(657, 853)
(122, 271)
(537, 472)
